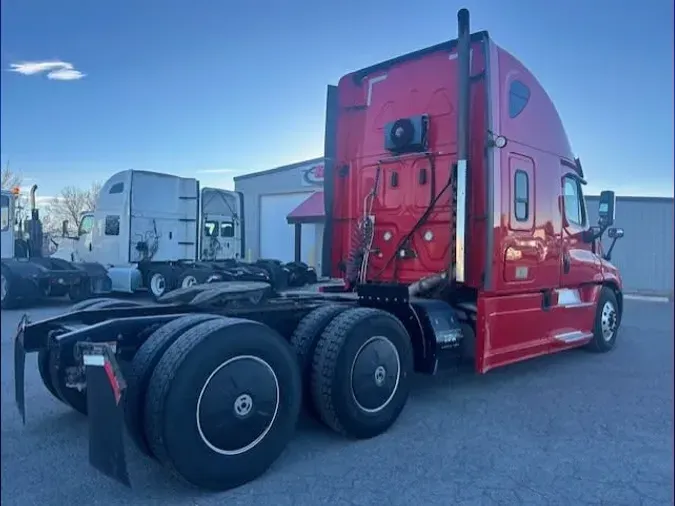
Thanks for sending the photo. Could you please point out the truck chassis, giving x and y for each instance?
(210, 381)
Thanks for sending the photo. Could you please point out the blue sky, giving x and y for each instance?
(218, 88)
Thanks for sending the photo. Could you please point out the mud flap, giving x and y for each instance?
(105, 388)
(20, 369)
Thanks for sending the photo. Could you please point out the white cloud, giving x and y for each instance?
(55, 69)
(65, 75)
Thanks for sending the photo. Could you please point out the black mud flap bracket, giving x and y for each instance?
(105, 405)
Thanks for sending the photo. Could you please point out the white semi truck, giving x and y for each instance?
(161, 232)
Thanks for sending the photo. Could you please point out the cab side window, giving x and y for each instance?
(86, 225)
(226, 229)
(575, 211)
(211, 228)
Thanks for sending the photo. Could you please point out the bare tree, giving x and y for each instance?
(70, 204)
(10, 179)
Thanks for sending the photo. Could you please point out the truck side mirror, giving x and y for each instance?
(606, 208)
(615, 233)
(64, 228)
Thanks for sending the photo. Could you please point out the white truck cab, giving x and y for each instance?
(145, 220)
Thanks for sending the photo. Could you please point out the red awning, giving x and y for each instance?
(310, 211)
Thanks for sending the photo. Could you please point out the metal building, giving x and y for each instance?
(284, 212)
(645, 253)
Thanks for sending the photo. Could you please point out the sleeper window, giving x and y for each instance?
(116, 188)
(521, 195)
(112, 225)
(519, 96)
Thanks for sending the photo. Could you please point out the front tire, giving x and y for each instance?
(221, 409)
(361, 372)
(607, 320)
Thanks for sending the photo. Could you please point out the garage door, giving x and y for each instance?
(277, 237)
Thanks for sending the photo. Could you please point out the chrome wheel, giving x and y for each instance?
(157, 284)
(608, 321)
(188, 281)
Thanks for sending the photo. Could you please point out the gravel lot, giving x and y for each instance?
(574, 429)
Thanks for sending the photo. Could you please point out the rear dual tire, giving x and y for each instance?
(361, 372)
(219, 409)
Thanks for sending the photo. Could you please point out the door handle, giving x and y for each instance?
(89, 246)
(567, 262)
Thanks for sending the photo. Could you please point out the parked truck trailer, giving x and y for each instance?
(159, 231)
(456, 215)
(27, 276)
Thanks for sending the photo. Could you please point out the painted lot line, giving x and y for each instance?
(570, 429)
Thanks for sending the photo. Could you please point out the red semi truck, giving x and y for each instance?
(456, 215)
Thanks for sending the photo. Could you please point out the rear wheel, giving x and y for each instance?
(90, 302)
(159, 281)
(219, 409)
(76, 399)
(193, 277)
(80, 292)
(142, 366)
(55, 378)
(304, 340)
(8, 299)
(361, 372)
(606, 325)
(43, 362)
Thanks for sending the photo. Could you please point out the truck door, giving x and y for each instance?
(579, 264)
(580, 267)
(84, 246)
(221, 236)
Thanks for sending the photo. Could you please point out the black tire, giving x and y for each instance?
(276, 272)
(80, 292)
(43, 363)
(76, 399)
(376, 334)
(54, 379)
(9, 299)
(263, 365)
(89, 302)
(112, 304)
(198, 275)
(142, 366)
(304, 339)
(607, 313)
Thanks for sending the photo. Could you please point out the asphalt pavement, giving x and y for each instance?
(573, 429)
